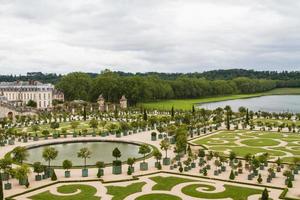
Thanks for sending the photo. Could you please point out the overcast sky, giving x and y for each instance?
(148, 35)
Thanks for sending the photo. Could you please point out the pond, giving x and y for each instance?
(273, 103)
(101, 151)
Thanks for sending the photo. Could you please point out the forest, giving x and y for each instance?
(139, 88)
(152, 86)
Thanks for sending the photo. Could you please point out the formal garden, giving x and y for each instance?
(160, 186)
(283, 145)
(148, 154)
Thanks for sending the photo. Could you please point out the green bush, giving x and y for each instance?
(265, 195)
(53, 177)
(232, 176)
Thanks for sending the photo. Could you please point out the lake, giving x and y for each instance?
(273, 103)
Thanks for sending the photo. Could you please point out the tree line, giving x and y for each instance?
(112, 86)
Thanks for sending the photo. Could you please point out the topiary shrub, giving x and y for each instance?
(53, 176)
(265, 195)
(259, 179)
(231, 176)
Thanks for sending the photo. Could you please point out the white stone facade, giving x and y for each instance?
(24, 91)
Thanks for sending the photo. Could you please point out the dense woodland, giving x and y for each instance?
(140, 87)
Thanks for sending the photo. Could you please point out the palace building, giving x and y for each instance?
(21, 92)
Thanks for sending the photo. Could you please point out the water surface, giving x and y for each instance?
(273, 103)
(101, 151)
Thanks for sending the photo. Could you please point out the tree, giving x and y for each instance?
(145, 117)
(54, 125)
(144, 149)
(67, 164)
(247, 117)
(232, 156)
(165, 146)
(232, 175)
(201, 153)
(74, 125)
(38, 167)
(21, 172)
(35, 128)
(94, 124)
(290, 183)
(49, 154)
(172, 112)
(265, 195)
(20, 154)
(157, 155)
(84, 153)
(31, 103)
(116, 153)
(75, 85)
(45, 133)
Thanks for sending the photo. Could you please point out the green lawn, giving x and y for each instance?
(186, 104)
(158, 197)
(231, 191)
(120, 193)
(244, 142)
(167, 183)
(86, 192)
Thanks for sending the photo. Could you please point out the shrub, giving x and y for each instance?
(100, 164)
(180, 169)
(232, 176)
(265, 195)
(129, 172)
(259, 179)
(290, 183)
(53, 177)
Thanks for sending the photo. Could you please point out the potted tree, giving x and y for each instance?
(165, 146)
(20, 154)
(100, 165)
(153, 136)
(5, 165)
(49, 154)
(144, 149)
(64, 132)
(74, 125)
(94, 124)
(67, 164)
(84, 153)
(157, 155)
(35, 128)
(21, 173)
(38, 168)
(130, 163)
(45, 133)
(117, 164)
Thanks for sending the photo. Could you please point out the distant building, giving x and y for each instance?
(58, 95)
(107, 106)
(21, 92)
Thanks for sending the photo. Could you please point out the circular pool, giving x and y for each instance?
(101, 151)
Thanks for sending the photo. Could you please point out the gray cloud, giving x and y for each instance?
(142, 35)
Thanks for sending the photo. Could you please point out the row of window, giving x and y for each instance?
(27, 96)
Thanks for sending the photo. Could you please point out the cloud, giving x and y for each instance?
(141, 35)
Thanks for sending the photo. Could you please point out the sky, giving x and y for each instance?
(62, 36)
